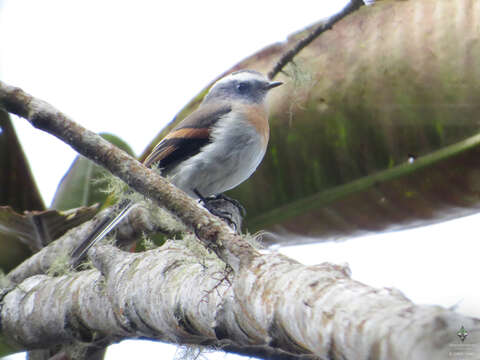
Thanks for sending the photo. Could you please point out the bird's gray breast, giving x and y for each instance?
(230, 158)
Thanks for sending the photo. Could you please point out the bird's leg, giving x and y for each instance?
(234, 202)
(208, 203)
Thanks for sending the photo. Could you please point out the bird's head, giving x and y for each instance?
(248, 86)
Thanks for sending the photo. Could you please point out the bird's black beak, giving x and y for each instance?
(273, 84)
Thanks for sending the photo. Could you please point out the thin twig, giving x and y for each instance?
(290, 54)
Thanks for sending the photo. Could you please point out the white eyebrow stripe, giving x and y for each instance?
(242, 76)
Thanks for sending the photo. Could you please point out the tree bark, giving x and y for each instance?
(181, 294)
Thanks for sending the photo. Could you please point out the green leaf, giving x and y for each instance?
(358, 106)
(378, 90)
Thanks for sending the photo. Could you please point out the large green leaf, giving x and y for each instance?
(395, 81)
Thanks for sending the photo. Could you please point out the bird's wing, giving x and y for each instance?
(186, 140)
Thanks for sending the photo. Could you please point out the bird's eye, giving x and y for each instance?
(243, 87)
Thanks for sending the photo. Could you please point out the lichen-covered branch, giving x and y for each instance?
(177, 295)
(211, 230)
(142, 220)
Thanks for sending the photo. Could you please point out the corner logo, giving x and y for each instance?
(462, 334)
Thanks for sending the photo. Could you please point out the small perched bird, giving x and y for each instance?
(214, 149)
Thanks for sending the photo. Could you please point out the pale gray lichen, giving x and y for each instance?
(192, 352)
(256, 239)
(60, 265)
(147, 243)
(303, 81)
(198, 250)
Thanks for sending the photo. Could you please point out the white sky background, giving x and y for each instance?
(128, 67)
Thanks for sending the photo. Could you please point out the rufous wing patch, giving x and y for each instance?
(183, 142)
(193, 133)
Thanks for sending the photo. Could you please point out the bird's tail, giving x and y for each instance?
(102, 230)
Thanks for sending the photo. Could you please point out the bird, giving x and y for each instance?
(214, 149)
